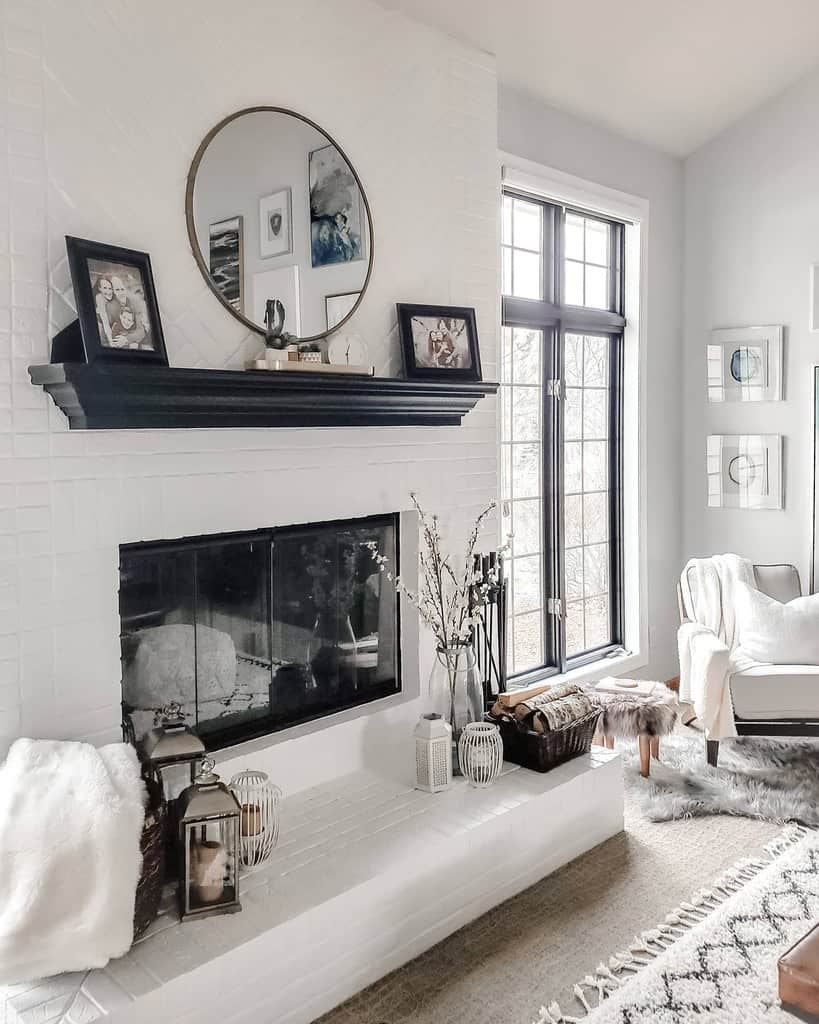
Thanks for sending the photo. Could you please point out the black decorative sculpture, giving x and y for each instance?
(274, 335)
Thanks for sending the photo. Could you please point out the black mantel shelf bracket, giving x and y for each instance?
(106, 396)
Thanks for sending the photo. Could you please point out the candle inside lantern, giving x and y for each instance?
(252, 820)
(208, 865)
(481, 759)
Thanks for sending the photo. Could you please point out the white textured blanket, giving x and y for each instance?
(707, 643)
(71, 819)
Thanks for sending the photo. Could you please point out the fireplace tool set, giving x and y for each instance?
(489, 595)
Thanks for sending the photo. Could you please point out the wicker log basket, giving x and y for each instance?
(542, 751)
(152, 846)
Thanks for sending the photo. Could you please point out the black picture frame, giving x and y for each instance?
(80, 251)
(408, 312)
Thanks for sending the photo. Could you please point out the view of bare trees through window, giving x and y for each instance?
(586, 487)
(522, 488)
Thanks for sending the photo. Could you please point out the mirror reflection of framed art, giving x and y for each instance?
(275, 224)
(338, 307)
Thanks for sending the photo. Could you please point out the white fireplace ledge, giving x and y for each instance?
(368, 874)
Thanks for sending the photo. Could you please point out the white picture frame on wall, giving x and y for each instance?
(275, 224)
(744, 364)
(744, 471)
(813, 312)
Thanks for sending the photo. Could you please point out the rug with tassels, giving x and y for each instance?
(713, 959)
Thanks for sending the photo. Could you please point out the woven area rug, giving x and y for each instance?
(758, 777)
(713, 959)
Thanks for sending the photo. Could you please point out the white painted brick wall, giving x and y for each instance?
(367, 874)
(106, 102)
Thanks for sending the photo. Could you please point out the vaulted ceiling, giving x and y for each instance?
(670, 73)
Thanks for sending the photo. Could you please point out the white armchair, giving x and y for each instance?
(768, 700)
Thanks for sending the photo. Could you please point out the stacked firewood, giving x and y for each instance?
(545, 711)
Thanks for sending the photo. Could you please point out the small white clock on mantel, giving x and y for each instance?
(347, 350)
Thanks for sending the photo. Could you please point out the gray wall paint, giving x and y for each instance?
(531, 130)
(752, 230)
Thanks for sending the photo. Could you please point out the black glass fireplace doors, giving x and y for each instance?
(251, 633)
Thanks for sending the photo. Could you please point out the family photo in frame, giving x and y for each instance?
(116, 302)
(439, 342)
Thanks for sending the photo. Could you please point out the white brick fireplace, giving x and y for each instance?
(107, 102)
(98, 139)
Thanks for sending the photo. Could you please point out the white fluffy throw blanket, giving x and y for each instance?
(71, 819)
(706, 644)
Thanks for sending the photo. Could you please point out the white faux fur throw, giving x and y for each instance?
(71, 819)
(705, 674)
(708, 586)
(706, 645)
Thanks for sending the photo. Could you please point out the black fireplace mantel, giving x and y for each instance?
(111, 396)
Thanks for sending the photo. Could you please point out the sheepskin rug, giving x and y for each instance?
(757, 777)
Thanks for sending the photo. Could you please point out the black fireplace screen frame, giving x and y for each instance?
(273, 540)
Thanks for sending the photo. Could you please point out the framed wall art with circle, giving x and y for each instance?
(744, 471)
(744, 364)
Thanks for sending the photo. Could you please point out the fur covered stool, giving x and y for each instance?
(635, 708)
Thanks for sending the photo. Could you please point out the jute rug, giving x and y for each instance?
(532, 949)
(713, 959)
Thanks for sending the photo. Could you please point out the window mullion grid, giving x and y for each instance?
(553, 453)
(554, 319)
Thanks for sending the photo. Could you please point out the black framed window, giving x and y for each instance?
(561, 433)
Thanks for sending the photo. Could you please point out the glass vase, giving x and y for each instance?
(455, 691)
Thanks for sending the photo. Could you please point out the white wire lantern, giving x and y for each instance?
(258, 799)
(480, 753)
(433, 754)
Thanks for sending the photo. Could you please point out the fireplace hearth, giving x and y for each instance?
(256, 632)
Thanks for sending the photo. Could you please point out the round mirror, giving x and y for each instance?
(279, 223)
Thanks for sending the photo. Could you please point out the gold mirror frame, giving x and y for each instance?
(194, 241)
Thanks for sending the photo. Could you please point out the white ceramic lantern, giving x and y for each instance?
(480, 753)
(433, 754)
(258, 799)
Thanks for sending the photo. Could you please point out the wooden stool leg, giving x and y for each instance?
(655, 747)
(644, 743)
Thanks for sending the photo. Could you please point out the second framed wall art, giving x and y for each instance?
(744, 471)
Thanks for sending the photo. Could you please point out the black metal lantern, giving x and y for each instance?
(208, 832)
(171, 752)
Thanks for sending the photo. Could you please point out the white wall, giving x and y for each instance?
(752, 229)
(536, 132)
(97, 142)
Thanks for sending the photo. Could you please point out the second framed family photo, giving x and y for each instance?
(439, 342)
(116, 302)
